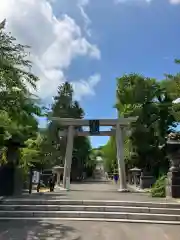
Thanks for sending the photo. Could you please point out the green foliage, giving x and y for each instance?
(17, 105)
(151, 102)
(172, 85)
(32, 155)
(97, 152)
(159, 188)
(64, 107)
(109, 155)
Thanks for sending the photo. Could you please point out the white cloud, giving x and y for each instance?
(148, 1)
(82, 4)
(174, 1)
(54, 42)
(132, 1)
(86, 87)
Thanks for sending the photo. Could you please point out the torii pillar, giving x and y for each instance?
(68, 157)
(120, 158)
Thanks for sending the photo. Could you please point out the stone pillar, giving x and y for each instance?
(18, 181)
(68, 156)
(120, 158)
(58, 177)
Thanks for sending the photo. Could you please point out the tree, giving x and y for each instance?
(33, 155)
(83, 160)
(65, 106)
(172, 85)
(18, 108)
(16, 78)
(150, 101)
(110, 156)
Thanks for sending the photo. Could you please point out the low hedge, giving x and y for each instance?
(159, 188)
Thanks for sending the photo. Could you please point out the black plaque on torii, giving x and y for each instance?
(94, 127)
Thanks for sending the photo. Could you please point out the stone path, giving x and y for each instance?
(53, 230)
(96, 191)
(104, 191)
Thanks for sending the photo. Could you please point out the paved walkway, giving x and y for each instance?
(103, 191)
(96, 191)
(53, 230)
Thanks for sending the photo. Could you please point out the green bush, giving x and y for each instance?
(159, 188)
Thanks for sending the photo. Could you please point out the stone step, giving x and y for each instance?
(90, 215)
(41, 201)
(82, 208)
(91, 220)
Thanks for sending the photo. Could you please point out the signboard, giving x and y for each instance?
(94, 127)
(36, 177)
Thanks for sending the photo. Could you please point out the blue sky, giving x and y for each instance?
(133, 36)
(107, 40)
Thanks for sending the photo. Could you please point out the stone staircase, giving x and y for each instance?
(99, 175)
(90, 210)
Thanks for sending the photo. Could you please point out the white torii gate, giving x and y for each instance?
(118, 127)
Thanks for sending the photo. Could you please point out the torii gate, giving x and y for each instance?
(118, 127)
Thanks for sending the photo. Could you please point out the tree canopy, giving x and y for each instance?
(152, 102)
(18, 107)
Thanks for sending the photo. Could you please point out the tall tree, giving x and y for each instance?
(18, 109)
(147, 99)
(16, 101)
(65, 106)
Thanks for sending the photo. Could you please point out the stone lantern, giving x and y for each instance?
(11, 176)
(135, 174)
(173, 176)
(59, 171)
